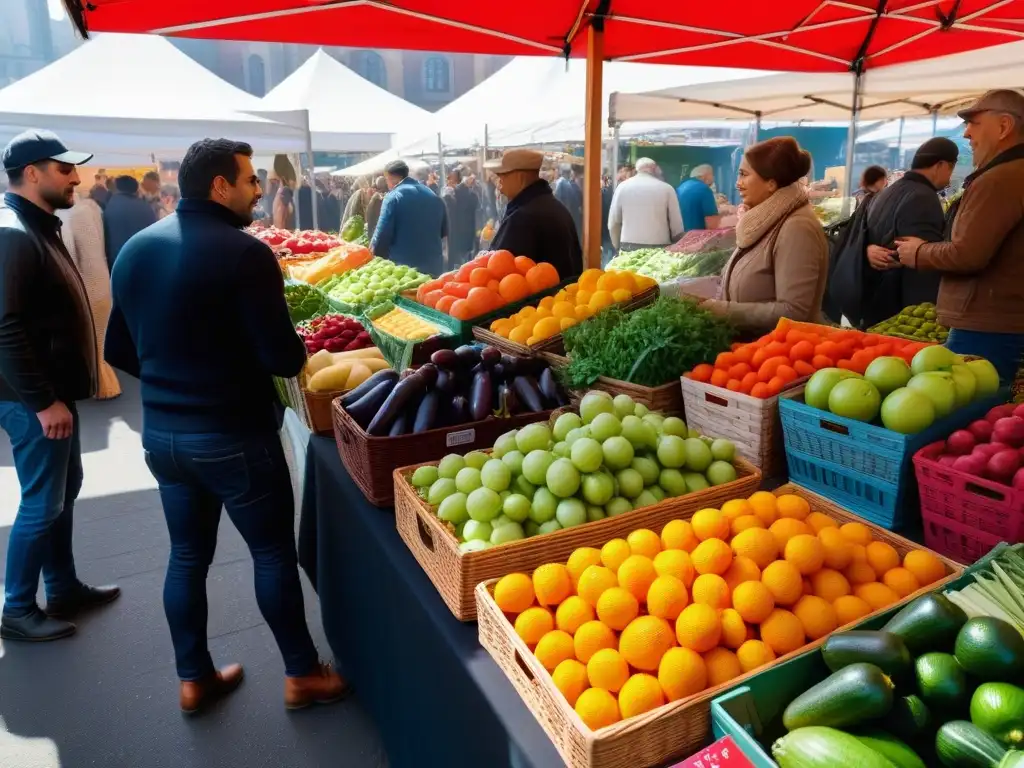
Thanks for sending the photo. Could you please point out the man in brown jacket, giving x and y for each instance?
(981, 297)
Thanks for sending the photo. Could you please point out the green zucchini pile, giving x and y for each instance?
(931, 688)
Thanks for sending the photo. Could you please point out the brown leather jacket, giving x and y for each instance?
(983, 265)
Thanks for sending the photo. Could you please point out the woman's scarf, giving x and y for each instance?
(759, 220)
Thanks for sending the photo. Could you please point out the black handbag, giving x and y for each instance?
(844, 288)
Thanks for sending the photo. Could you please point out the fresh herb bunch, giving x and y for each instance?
(649, 346)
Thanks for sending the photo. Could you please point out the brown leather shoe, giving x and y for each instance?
(199, 693)
(324, 686)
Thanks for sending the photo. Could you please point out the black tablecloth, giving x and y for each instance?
(437, 697)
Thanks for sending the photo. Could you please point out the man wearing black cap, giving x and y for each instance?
(47, 362)
(412, 223)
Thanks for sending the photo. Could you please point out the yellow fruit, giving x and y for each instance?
(563, 309)
(735, 508)
(525, 312)
(806, 553)
(678, 534)
(594, 580)
(682, 673)
(925, 566)
(859, 573)
(547, 327)
(644, 542)
(521, 334)
(858, 553)
(876, 595)
(742, 569)
(514, 593)
(552, 583)
(817, 616)
(782, 632)
(753, 601)
(734, 629)
(741, 524)
(785, 528)
(570, 677)
(600, 300)
(857, 533)
(591, 638)
(583, 312)
(645, 641)
(573, 613)
(546, 303)
(783, 580)
(698, 627)
(675, 562)
(765, 506)
(614, 552)
(819, 520)
(567, 322)
(583, 299)
(597, 708)
(553, 648)
(502, 327)
(636, 574)
(792, 506)
(759, 545)
(722, 666)
(711, 589)
(753, 654)
(640, 694)
(588, 279)
(808, 587)
(830, 585)
(850, 608)
(617, 607)
(607, 669)
(882, 557)
(621, 294)
(667, 597)
(710, 524)
(838, 550)
(901, 581)
(580, 560)
(712, 556)
(533, 623)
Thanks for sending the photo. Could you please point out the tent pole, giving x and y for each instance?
(298, 186)
(615, 154)
(312, 172)
(593, 145)
(935, 122)
(899, 144)
(757, 128)
(851, 141)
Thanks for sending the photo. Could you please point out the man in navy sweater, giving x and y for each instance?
(199, 317)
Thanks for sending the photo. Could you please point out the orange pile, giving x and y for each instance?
(650, 619)
(488, 282)
(765, 367)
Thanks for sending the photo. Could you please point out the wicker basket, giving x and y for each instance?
(667, 398)
(751, 423)
(455, 574)
(370, 461)
(670, 732)
(313, 408)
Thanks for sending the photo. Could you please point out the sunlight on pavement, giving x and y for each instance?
(22, 752)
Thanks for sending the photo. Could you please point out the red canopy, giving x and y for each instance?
(791, 35)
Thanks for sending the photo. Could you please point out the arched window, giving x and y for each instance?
(257, 80)
(436, 75)
(371, 66)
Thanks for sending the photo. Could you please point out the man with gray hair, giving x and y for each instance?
(697, 201)
(645, 211)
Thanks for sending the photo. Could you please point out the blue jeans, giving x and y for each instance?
(50, 474)
(1003, 350)
(247, 475)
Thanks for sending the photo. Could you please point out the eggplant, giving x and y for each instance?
(445, 382)
(426, 414)
(508, 403)
(498, 373)
(459, 410)
(445, 358)
(550, 390)
(366, 408)
(387, 374)
(526, 389)
(490, 356)
(397, 401)
(400, 425)
(529, 366)
(468, 355)
(480, 399)
(510, 364)
(429, 372)
(407, 373)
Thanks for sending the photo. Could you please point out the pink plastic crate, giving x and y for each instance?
(965, 516)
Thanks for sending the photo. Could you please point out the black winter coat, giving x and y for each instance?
(538, 226)
(124, 216)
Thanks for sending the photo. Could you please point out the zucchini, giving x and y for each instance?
(998, 708)
(960, 744)
(930, 623)
(820, 747)
(990, 649)
(942, 684)
(851, 696)
(891, 748)
(885, 650)
(909, 718)
(1012, 759)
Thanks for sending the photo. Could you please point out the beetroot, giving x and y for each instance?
(960, 443)
(1009, 430)
(981, 429)
(1018, 479)
(972, 465)
(1000, 412)
(1003, 466)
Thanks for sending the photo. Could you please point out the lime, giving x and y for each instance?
(476, 459)
(645, 499)
(533, 437)
(604, 426)
(477, 530)
(496, 475)
(696, 481)
(450, 465)
(483, 505)
(561, 450)
(593, 403)
(618, 452)
(647, 467)
(504, 444)
(516, 507)
(535, 466)
(623, 405)
(543, 507)
(562, 478)
(424, 477)
(673, 425)
(672, 482)
(474, 545)
(565, 424)
(721, 472)
(549, 527)
(441, 489)
(698, 454)
(453, 509)
(598, 488)
(618, 506)
(514, 461)
(595, 513)
(523, 486)
(672, 451)
(570, 513)
(505, 533)
(586, 454)
(468, 480)
(656, 491)
(723, 450)
(631, 483)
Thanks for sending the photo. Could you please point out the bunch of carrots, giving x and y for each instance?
(794, 351)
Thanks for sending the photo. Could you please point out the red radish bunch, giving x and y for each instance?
(335, 333)
(992, 448)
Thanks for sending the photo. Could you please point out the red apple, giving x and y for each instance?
(1009, 430)
(1003, 466)
(972, 465)
(987, 450)
(960, 443)
(1018, 479)
(981, 429)
(1000, 412)
(947, 460)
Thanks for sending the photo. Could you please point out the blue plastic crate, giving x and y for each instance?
(864, 467)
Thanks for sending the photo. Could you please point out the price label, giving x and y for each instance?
(462, 437)
(722, 754)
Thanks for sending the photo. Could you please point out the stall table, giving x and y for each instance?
(437, 697)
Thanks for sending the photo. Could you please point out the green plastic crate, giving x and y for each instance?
(402, 353)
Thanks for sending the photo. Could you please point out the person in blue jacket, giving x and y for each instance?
(697, 200)
(412, 223)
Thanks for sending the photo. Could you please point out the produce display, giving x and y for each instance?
(337, 261)
(595, 290)
(403, 324)
(488, 282)
(301, 242)
(340, 371)
(918, 321)
(456, 387)
(648, 346)
(904, 398)
(333, 333)
(991, 448)
(653, 618)
(665, 266)
(792, 351)
(304, 301)
(354, 229)
(614, 457)
(376, 281)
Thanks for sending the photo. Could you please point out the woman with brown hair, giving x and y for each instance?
(780, 264)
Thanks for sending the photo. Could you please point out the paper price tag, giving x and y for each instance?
(722, 754)
(462, 437)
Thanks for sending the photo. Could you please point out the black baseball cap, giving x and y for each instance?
(33, 146)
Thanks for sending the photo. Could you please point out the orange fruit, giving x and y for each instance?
(817, 616)
(924, 565)
(513, 287)
(742, 569)
(501, 264)
(596, 707)
(901, 581)
(712, 556)
(819, 520)
(735, 508)
(675, 562)
(552, 583)
(644, 641)
(722, 666)
(790, 505)
(753, 601)
(785, 528)
(698, 627)
(753, 654)
(636, 574)
(838, 550)
(524, 264)
(480, 276)
(533, 623)
(850, 608)
(734, 629)
(573, 613)
(614, 553)
(741, 524)
(591, 638)
(759, 545)
(782, 632)
(710, 524)
(678, 534)
(876, 595)
(542, 277)
(858, 533)
(580, 560)
(641, 693)
(514, 593)
(783, 580)
(553, 648)
(617, 607)
(607, 669)
(682, 673)
(711, 589)
(570, 677)
(806, 552)
(764, 506)
(882, 557)
(594, 580)
(667, 597)
(644, 541)
(859, 573)
(830, 584)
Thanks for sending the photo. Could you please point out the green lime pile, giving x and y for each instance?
(917, 322)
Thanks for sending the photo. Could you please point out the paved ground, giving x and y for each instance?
(108, 696)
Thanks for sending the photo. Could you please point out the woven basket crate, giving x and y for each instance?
(456, 574)
(662, 735)
(751, 423)
(666, 399)
(312, 408)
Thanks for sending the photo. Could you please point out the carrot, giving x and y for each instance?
(786, 373)
(733, 385)
(778, 348)
(771, 367)
(745, 352)
(739, 370)
(725, 360)
(821, 361)
(802, 350)
(719, 378)
(760, 355)
(759, 390)
(748, 382)
(702, 372)
(775, 386)
(803, 368)
(827, 348)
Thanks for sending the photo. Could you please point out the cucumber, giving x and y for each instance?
(990, 649)
(909, 718)
(819, 747)
(891, 748)
(851, 696)
(1012, 759)
(930, 623)
(942, 684)
(998, 708)
(960, 744)
(885, 650)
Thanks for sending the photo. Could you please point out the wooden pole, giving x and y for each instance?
(593, 148)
